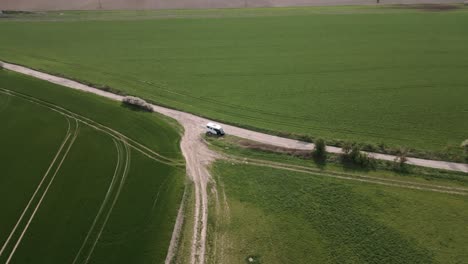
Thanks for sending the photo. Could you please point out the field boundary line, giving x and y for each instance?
(196, 222)
(176, 232)
(116, 197)
(6, 104)
(344, 174)
(105, 201)
(240, 159)
(45, 192)
(65, 140)
(360, 178)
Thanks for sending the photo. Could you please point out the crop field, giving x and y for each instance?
(393, 75)
(78, 186)
(278, 216)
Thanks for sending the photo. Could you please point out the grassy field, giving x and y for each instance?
(237, 147)
(388, 75)
(77, 191)
(281, 216)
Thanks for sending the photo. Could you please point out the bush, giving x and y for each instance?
(399, 163)
(352, 154)
(464, 145)
(305, 138)
(137, 102)
(320, 151)
(346, 148)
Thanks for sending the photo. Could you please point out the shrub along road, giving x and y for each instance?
(198, 156)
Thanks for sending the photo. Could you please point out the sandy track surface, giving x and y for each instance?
(198, 156)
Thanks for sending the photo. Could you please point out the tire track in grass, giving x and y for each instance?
(98, 126)
(176, 232)
(64, 142)
(194, 151)
(72, 141)
(5, 104)
(116, 197)
(106, 198)
(114, 134)
(353, 177)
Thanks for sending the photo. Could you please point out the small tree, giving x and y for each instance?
(346, 148)
(352, 154)
(320, 150)
(355, 152)
(464, 145)
(400, 160)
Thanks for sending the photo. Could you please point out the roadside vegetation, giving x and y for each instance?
(242, 148)
(385, 77)
(87, 180)
(276, 207)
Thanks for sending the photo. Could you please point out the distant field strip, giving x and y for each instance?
(350, 176)
(378, 75)
(47, 180)
(116, 135)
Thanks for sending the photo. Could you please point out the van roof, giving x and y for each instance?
(213, 125)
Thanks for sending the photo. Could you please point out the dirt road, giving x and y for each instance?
(194, 125)
(198, 156)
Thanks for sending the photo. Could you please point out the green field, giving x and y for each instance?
(368, 74)
(281, 216)
(74, 189)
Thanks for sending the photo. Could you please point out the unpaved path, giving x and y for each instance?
(198, 156)
(194, 125)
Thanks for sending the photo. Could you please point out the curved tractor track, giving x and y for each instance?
(198, 156)
(123, 149)
(16, 235)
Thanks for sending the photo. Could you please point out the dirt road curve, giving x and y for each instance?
(198, 156)
(194, 125)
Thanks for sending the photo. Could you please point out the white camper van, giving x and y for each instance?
(214, 129)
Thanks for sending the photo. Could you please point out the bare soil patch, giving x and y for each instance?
(249, 144)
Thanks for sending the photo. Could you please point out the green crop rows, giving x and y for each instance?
(74, 190)
(368, 74)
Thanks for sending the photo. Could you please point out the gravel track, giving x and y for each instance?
(198, 156)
